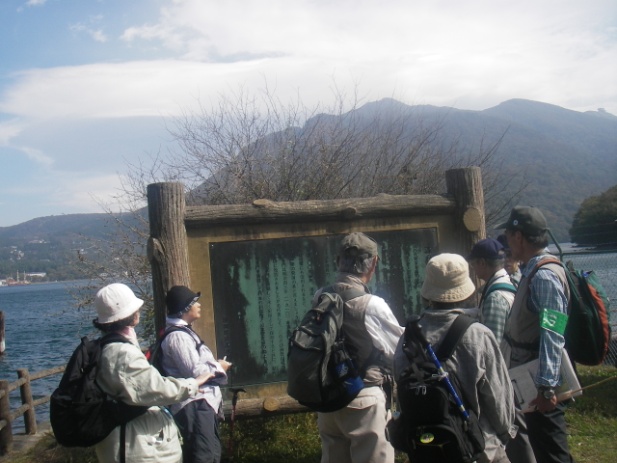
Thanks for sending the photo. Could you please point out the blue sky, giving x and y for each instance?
(88, 86)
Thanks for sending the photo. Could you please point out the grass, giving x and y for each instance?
(592, 419)
(592, 422)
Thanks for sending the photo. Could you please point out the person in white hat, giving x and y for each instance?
(125, 375)
(476, 361)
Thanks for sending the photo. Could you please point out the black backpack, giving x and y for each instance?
(320, 372)
(155, 353)
(81, 414)
(434, 424)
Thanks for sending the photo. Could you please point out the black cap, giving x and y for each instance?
(529, 220)
(179, 299)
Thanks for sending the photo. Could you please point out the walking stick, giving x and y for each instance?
(234, 401)
(442, 373)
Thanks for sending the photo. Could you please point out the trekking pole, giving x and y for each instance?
(234, 401)
(556, 244)
(444, 375)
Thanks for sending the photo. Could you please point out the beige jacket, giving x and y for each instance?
(125, 374)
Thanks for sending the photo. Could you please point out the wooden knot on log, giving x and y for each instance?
(472, 219)
(271, 404)
(264, 203)
(349, 212)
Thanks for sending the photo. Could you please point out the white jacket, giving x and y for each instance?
(125, 374)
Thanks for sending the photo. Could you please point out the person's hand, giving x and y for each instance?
(204, 378)
(542, 404)
(225, 364)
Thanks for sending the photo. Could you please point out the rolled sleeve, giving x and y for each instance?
(546, 292)
(382, 326)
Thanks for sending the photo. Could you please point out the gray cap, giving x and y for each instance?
(527, 219)
(359, 241)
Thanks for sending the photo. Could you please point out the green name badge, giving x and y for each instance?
(553, 321)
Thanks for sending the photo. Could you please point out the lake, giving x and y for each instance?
(42, 328)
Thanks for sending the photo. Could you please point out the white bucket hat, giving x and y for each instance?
(115, 302)
(447, 279)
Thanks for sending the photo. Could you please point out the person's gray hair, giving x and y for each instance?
(496, 264)
(537, 241)
(357, 264)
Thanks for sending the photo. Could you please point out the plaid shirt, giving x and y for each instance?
(546, 292)
(495, 307)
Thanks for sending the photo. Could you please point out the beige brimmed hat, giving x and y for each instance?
(115, 302)
(447, 279)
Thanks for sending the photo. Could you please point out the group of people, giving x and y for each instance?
(188, 429)
(516, 317)
(514, 314)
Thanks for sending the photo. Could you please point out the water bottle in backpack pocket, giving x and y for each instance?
(345, 370)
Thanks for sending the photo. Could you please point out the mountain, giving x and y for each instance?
(52, 244)
(566, 156)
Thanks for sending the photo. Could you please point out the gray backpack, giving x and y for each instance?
(320, 372)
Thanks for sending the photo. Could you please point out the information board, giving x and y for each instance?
(263, 288)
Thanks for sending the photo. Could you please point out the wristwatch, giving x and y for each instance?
(547, 392)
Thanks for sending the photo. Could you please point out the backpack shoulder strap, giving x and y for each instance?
(346, 295)
(542, 263)
(500, 287)
(453, 336)
(451, 339)
(185, 329)
(112, 337)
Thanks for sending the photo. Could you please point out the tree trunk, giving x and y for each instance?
(167, 246)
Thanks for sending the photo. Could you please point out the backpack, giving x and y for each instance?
(81, 414)
(321, 374)
(588, 331)
(434, 425)
(155, 353)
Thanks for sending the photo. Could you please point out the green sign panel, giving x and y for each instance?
(263, 288)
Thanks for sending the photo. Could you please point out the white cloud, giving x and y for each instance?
(36, 155)
(9, 130)
(76, 124)
(467, 53)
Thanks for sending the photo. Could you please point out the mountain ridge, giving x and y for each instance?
(567, 156)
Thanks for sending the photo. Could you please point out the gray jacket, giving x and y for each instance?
(481, 371)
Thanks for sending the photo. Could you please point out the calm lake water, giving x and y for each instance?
(42, 328)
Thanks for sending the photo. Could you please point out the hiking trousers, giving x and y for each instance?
(357, 433)
(549, 436)
(199, 426)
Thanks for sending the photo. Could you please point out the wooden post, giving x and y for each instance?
(6, 433)
(167, 246)
(25, 390)
(2, 338)
(465, 186)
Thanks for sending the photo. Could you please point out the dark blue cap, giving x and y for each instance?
(488, 248)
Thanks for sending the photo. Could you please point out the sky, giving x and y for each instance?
(89, 87)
